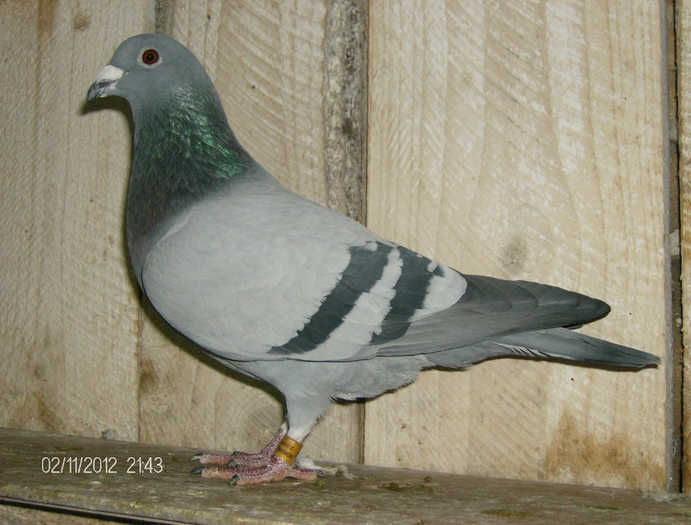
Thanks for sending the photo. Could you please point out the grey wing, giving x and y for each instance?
(432, 309)
(497, 318)
(384, 289)
(279, 277)
(239, 280)
(274, 276)
(491, 308)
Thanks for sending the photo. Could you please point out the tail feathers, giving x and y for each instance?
(557, 343)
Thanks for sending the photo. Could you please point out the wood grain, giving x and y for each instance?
(683, 21)
(267, 61)
(524, 140)
(69, 322)
(345, 107)
(519, 139)
(370, 495)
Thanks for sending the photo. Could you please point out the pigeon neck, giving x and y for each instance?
(188, 134)
(184, 151)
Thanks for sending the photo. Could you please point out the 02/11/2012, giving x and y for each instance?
(100, 465)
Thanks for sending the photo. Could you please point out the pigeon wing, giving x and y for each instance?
(261, 273)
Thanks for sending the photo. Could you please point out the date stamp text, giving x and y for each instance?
(101, 465)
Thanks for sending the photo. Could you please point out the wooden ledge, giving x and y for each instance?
(134, 490)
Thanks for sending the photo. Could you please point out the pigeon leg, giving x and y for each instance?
(241, 459)
(257, 468)
(277, 460)
(276, 470)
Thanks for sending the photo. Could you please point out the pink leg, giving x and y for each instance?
(241, 459)
(250, 469)
(275, 470)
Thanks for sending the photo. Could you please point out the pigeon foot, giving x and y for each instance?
(241, 459)
(275, 470)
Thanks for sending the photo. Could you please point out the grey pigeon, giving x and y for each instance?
(292, 293)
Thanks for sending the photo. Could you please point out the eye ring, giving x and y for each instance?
(150, 57)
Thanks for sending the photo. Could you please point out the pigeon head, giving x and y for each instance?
(174, 103)
(148, 69)
(175, 106)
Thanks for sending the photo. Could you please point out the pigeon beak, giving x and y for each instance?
(105, 82)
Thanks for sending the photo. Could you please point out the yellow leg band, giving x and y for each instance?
(288, 449)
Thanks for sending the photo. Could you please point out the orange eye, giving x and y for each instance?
(150, 56)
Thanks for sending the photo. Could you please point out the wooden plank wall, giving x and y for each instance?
(69, 313)
(525, 140)
(518, 139)
(683, 32)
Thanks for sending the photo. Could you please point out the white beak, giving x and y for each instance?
(105, 82)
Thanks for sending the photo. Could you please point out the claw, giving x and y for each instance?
(196, 471)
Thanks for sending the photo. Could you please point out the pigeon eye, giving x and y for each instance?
(150, 56)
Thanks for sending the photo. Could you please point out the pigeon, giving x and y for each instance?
(292, 293)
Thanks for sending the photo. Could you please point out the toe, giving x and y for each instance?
(211, 459)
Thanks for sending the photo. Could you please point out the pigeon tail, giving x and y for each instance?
(552, 344)
(560, 343)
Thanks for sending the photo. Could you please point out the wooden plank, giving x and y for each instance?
(267, 60)
(21, 515)
(345, 107)
(524, 140)
(69, 323)
(362, 495)
(675, 363)
(683, 21)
